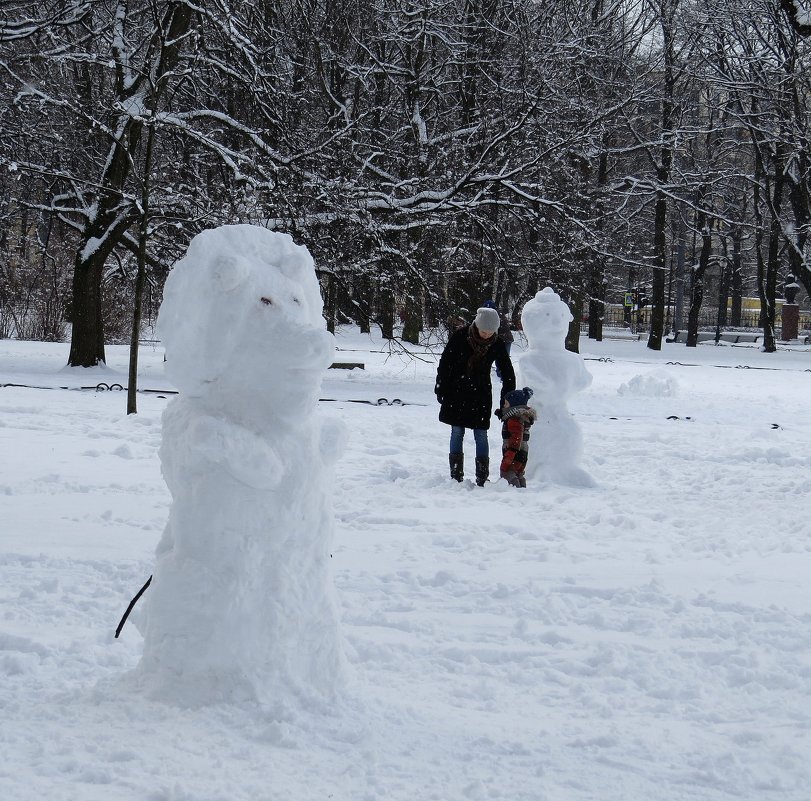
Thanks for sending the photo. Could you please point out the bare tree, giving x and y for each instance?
(799, 15)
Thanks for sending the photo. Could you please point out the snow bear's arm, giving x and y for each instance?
(247, 457)
(194, 442)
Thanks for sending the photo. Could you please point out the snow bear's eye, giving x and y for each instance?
(296, 300)
(266, 301)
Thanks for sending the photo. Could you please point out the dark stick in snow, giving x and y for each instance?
(132, 604)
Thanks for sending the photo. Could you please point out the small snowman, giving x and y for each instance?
(555, 374)
(241, 606)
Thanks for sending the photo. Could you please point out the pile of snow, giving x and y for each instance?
(241, 604)
(656, 384)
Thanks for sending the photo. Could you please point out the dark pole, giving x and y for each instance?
(140, 278)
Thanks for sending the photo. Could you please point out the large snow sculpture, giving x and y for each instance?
(241, 604)
(555, 374)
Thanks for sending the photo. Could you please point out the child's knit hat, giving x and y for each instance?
(519, 397)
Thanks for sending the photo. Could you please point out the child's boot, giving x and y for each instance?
(457, 463)
(482, 469)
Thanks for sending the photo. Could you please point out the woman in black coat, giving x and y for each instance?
(463, 388)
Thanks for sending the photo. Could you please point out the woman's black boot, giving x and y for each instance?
(457, 462)
(482, 469)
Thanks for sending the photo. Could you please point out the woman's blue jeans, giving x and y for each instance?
(479, 434)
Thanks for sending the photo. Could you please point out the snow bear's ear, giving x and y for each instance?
(202, 315)
(228, 273)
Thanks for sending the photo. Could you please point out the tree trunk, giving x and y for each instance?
(386, 311)
(330, 302)
(412, 325)
(87, 333)
(681, 252)
(627, 311)
(799, 190)
(668, 111)
(597, 302)
(657, 315)
(363, 302)
(736, 279)
(573, 334)
(597, 277)
(697, 286)
(723, 297)
(767, 270)
(767, 286)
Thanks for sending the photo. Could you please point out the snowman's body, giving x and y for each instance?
(555, 375)
(241, 604)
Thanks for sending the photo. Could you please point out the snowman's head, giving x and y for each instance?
(241, 316)
(545, 318)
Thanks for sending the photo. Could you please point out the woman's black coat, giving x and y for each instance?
(467, 399)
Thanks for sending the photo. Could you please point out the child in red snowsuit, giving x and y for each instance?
(516, 420)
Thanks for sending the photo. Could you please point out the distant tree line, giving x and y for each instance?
(431, 154)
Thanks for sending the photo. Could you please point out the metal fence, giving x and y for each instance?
(639, 320)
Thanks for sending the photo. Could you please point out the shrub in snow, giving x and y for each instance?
(241, 604)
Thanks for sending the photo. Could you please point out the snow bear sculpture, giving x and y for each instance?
(555, 374)
(241, 605)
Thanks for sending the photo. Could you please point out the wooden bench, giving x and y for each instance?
(681, 336)
(736, 337)
(733, 337)
(347, 366)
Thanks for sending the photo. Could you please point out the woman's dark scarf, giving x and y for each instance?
(478, 345)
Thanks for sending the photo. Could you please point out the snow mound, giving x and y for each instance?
(650, 385)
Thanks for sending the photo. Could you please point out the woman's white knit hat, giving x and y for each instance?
(487, 319)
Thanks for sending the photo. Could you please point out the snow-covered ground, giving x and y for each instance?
(645, 640)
